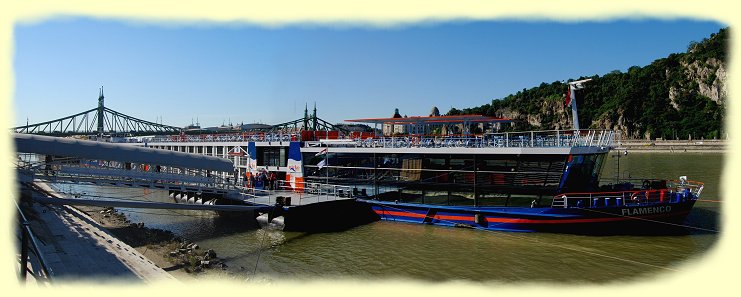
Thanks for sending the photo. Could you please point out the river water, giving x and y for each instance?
(393, 251)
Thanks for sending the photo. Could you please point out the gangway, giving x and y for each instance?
(72, 161)
(147, 204)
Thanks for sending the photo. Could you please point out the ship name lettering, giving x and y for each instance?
(646, 210)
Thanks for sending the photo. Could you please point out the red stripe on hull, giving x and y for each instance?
(419, 215)
(526, 221)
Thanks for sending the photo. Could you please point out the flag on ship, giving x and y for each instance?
(322, 152)
(567, 101)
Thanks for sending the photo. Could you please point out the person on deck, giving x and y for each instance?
(271, 180)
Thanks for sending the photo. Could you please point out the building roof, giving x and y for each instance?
(455, 119)
(57, 146)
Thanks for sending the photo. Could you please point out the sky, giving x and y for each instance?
(217, 73)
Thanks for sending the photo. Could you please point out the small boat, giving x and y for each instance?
(655, 205)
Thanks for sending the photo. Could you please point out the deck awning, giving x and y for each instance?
(57, 146)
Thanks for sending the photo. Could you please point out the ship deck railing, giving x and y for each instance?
(675, 191)
(226, 137)
(544, 138)
(550, 138)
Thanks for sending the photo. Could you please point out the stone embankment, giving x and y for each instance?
(89, 243)
(672, 146)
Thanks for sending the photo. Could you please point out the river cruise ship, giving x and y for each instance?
(434, 170)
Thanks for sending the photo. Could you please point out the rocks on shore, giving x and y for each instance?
(194, 262)
(179, 251)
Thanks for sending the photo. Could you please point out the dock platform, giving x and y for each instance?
(316, 212)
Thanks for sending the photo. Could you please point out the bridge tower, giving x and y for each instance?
(306, 117)
(314, 120)
(101, 115)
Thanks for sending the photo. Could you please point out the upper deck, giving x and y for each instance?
(546, 138)
(553, 141)
(530, 142)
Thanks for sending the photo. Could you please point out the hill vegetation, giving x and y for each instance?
(678, 97)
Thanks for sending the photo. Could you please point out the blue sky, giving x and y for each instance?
(249, 73)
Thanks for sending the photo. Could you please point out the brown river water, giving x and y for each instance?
(394, 251)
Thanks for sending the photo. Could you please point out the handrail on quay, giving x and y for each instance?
(27, 238)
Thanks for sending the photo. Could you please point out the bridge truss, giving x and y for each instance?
(103, 121)
(98, 121)
(308, 122)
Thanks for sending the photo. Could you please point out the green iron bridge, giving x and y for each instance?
(103, 121)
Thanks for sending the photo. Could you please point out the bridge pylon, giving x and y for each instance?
(101, 110)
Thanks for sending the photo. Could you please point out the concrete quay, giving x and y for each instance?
(673, 146)
(77, 249)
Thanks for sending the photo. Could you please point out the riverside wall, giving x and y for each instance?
(672, 146)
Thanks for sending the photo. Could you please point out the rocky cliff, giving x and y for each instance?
(681, 96)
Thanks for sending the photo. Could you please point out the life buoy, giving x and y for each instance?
(646, 184)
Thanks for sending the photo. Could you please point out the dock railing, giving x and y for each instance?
(303, 192)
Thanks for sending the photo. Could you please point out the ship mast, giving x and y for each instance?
(573, 86)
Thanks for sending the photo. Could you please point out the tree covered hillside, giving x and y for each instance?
(677, 97)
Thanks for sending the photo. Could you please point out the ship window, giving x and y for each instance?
(436, 197)
(411, 169)
(492, 199)
(283, 155)
(598, 165)
(271, 156)
(388, 161)
(410, 196)
(497, 163)
(583, 173)
(435, 163)
(461, 198)
(461, 162)
(521, 200)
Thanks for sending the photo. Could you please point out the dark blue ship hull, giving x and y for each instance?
(636, 218)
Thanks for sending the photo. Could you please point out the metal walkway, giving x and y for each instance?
(60, 160)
